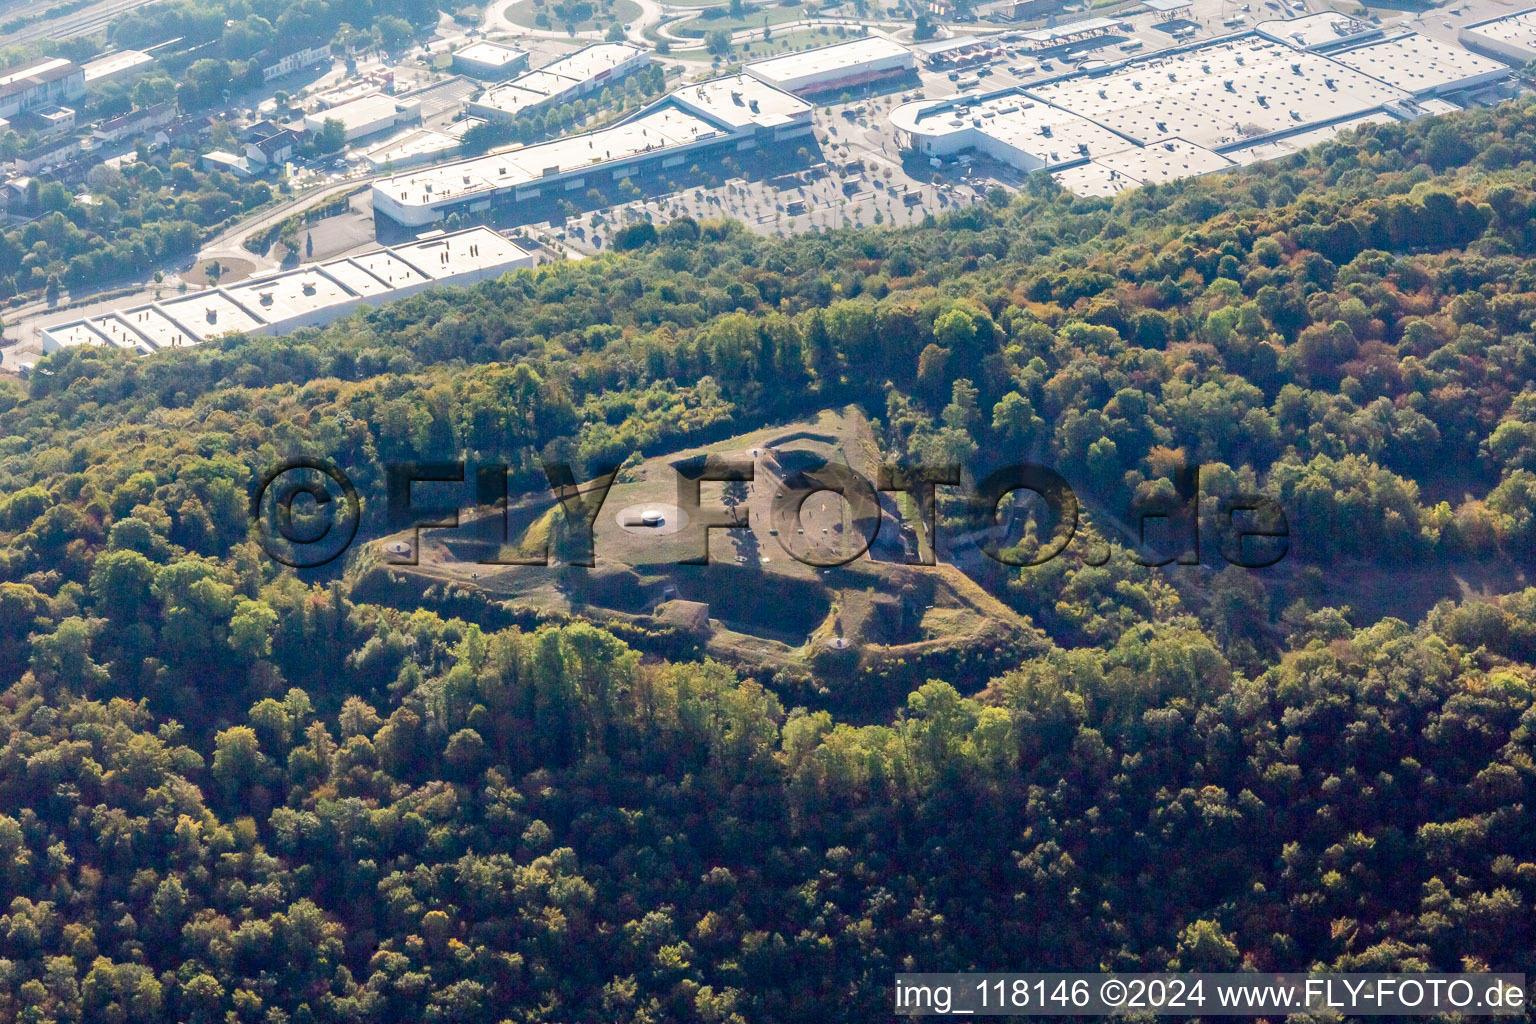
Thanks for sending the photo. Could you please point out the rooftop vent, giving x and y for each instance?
(1228, 85)
(213, 315)
(1296, 68)
(309, 288)
(266, 298)
(1263, 101)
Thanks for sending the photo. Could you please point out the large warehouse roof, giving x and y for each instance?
(1513, 35)
(1192, 110)
(826, 60)
(1317, 31)
(565, 75)
(311, 295)
(1219, 94)
(490, 54)
(691, 114)
(1418, 64)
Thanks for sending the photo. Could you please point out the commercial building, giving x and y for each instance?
(122, 66)
(840, 66)
(738, 112)
(310, 296)
(40, 85)
(366, 116)
(1318, 32)
(1511, 38)
(1190, 110)
(410, 150)
(590, 69)
(490, 60)
(310, 56)
(1422, 66)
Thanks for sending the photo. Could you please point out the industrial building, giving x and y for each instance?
(1318, 32)
(738, 112)
(310, 296)
(1422, 66)
(40, 85)
(1190, 110)
(1511, 38)
(366, 116)
(590, 69)
(122, 66)
(839, 66)
(491, 61)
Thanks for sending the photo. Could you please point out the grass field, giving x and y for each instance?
(800, 39)
(593, 14)
(752, 19)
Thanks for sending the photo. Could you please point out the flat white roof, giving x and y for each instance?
(554, 79)
(40, 68)
(1220, 94)
(837, 57)
(1093, 179)
(694, 113)
(210, 314)
(1164, 161)
(1515, 29)
(1416, 63)
(115, 63)
(363, 111)
(389, 268)
(115, 330)
(79, 333)
(278, 298)
(1311, 30)
(1047, 133)
(1164, 6)
(1273, 148)
(663, 127)
(356, 279)
(413, 144)
(450, 255)
(493, 54)
(591, 61)
(741, 100)
(162, 333)
(285, 296)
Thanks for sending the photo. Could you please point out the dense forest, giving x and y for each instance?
(229, 792)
